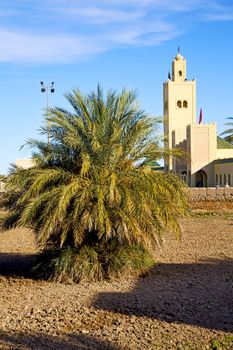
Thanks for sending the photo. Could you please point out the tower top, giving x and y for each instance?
(179, 67)
(179, 57)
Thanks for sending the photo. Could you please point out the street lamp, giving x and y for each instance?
(47, 89)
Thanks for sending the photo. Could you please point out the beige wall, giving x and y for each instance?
(224, 173)
(203, 145)
(24, 163)
(2, 186)
(224, 153)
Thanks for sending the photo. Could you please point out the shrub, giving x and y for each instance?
(93, 263)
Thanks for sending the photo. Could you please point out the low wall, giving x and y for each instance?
(208, 194)
(221, 194)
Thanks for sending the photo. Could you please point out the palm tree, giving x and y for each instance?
(91, 198)
(229, 132)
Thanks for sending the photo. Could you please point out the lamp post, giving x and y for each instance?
(46, 89)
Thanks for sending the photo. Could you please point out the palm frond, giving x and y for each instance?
(91, 184)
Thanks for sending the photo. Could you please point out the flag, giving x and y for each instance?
(169, 76)
(200, 116)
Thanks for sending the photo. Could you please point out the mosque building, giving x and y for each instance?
(209, 160)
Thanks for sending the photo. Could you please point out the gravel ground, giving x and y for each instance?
(184, 303)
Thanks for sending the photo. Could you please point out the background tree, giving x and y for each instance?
(96, 208)
(228, 132)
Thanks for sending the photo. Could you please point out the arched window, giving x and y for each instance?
(180, 73)
(216, 180)
(225, 179)
(179, 104)
(201, 179)
(220, 181)
(229, 179)
(185, 104)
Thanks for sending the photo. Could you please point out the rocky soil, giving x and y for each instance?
(184, 303)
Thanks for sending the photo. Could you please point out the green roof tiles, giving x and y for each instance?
(223, 144)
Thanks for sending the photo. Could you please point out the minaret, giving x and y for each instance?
(179, 105)
(179, 68)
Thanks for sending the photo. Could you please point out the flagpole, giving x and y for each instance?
(200, 116)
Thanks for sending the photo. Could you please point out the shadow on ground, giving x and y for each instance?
(199, 294)
(19, 265)
(25, 341)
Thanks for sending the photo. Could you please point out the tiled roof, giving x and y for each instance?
(223, 144)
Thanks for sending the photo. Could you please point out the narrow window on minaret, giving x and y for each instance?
(185, 104)
(180, 73)
(179, 104)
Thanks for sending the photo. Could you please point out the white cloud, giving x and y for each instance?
(65, 31)
(149, 34)
(101, 15)
(219, 17)
(25, 47)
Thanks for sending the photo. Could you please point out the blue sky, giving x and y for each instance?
(117, 43)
